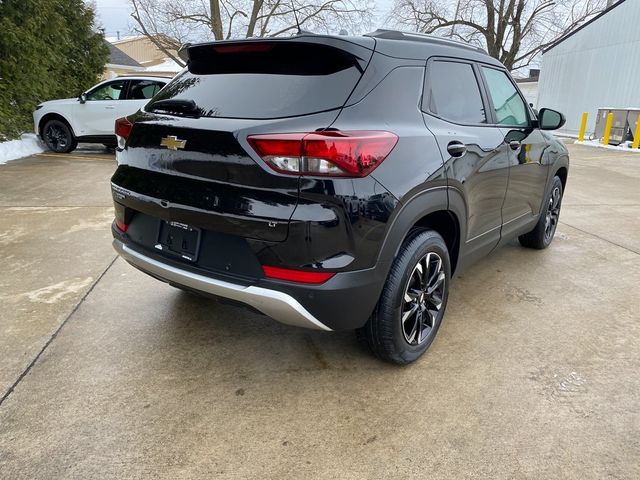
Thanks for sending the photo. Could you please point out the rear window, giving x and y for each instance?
(263, 80)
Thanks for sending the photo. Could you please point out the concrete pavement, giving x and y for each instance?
(534, 373)
(55, 213)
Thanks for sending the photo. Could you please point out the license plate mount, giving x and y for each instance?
(179, 239)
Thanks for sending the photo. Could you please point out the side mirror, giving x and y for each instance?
(550, 119)
(82, 98)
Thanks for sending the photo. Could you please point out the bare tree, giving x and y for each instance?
(168, 23)
(513, 31)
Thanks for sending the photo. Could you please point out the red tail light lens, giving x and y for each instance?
(330, 153)
(299, 276)
(123, 129)
(121, 225)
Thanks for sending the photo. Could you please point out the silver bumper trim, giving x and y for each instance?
(279, 306)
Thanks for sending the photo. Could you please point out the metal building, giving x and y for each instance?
(595, 66)
(529, 86)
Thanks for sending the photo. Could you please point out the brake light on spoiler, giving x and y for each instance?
(327, 153)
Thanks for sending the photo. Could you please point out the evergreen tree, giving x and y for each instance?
(48, 50)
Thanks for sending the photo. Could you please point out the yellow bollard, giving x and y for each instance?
(636, 135)
(583, 126)
(607, 129)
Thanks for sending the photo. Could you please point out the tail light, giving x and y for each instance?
(299, 276)
(123, 216)
(123, 129)
(330, 153)
(121, 226)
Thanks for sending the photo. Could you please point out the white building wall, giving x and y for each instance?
(530, 92)
(598, 66)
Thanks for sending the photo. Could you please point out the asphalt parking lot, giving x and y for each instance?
(107, 373)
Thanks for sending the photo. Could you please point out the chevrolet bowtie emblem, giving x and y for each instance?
(173, 143)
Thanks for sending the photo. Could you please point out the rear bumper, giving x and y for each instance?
(278, 305)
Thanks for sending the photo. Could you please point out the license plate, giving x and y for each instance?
(179, 239)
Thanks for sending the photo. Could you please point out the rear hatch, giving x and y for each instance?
(187, 158)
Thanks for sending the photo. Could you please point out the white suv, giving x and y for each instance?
(90, 118)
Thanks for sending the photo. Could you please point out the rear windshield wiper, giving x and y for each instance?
(187, 108)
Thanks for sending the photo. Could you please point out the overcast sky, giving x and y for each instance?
(114, 15)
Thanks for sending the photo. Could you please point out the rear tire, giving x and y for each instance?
(413, 301)
(542, 235)
(58, 137)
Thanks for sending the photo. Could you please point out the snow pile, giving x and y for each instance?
(27, 145)
(623, 147)
(123, 38)
(168, 65)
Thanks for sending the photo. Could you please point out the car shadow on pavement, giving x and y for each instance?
(236, 337)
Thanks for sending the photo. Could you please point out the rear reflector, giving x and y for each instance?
(123, 129)
(121, 226)
(329, 153)
(299, 276)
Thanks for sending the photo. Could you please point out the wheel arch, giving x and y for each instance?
(446, 223)
(54, 116)
(429, 209)
(562, 172)
(559, 167)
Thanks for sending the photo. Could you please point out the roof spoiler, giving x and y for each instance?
(183, 52)
(344, 43)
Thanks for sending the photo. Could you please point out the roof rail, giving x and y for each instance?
(143, 73)
(420, 37)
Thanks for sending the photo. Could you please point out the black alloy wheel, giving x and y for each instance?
(542, 235)
(58, 137)
(553, 213)
(423, 299)
(413, 301)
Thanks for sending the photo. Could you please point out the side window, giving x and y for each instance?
(143, 89)
(108, 91)
(453, 93)
(509, 106)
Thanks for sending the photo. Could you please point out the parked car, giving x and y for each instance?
(61, 124)
(336, 183)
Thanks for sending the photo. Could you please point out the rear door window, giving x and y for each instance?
(261, 80)
(452, 93)
(143, 89)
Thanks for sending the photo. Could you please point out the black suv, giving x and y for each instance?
(335, 183)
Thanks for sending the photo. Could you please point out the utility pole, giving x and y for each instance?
(455, 17)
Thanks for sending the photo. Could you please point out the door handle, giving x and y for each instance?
(110, 107)
(456, 148)
(514, 144)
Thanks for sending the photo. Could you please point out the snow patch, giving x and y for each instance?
(167, 66)
(27, 145)
(623, 147)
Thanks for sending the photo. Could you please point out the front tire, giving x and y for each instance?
(413, 301)
(542, 235)
(58, 137)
